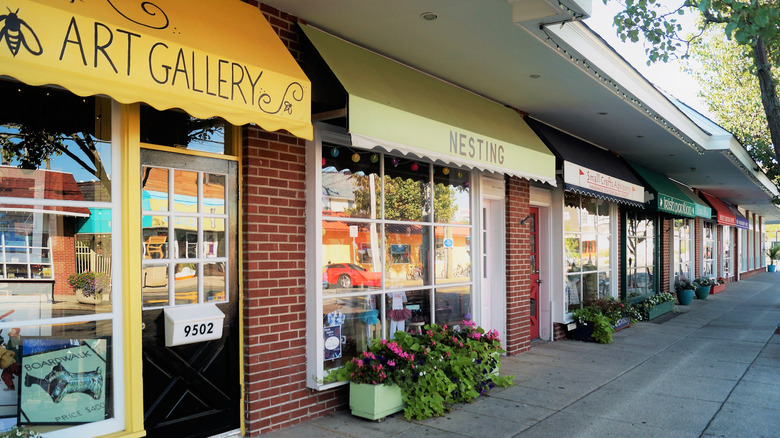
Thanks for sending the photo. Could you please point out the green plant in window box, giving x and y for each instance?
(90, 283)
(652, 301)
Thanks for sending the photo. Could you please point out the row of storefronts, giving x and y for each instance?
(203, 214)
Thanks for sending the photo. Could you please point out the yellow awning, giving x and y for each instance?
(400, 109)
(209, 57)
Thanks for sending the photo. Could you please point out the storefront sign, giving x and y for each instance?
(675, 206)
(63, 381)
(590, 179)
(216, 59)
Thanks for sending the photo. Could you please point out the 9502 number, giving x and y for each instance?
(204, 328)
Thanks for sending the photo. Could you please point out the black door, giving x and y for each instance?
(190, 257)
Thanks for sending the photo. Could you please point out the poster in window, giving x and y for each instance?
(332, 335)
(63, 381)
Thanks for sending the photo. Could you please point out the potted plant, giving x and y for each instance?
(656, 305)
(719, 286)
(618, 312)
(89, 286)
(703, 286)
(592, 325)
(685, 291)
(774, 254)
(423, 373)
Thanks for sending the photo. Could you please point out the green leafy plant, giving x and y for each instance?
(602, 325)
(90, 283)
(434, 369)
(703, 282)
(773, 253)
(19, 432)
(683, 284)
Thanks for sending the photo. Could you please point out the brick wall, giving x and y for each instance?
(518, 282)
(273, 189)
(667, 232)
(698, 230)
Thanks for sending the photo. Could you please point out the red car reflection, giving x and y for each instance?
(346, 275)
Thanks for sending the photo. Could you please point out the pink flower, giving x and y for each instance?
(391, 363)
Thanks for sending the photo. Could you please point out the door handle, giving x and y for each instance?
(539, 281)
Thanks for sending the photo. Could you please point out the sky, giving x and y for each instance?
(667, 76)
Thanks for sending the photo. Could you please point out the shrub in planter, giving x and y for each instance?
(602, 327)
(434, 369)
(90, 283)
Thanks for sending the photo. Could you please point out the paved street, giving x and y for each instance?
(711, 369)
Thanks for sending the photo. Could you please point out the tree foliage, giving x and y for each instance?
(753, 25)
(724, 72)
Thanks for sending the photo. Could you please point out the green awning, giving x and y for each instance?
(700, 208)
(397, 108)
(668, 198)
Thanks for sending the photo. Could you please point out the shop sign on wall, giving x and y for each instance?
(63, 381)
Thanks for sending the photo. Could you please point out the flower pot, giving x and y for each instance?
(660, 309)
(92, 299)
(771, 268)
(374, 402)
(685, 296)
(702, 292)
(622, 323)
(583, 332)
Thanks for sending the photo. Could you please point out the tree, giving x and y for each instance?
(752, 24)
(723, 70)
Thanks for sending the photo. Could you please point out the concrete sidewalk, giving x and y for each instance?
(710, 369)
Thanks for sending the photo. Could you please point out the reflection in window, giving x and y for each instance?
(586, 249)
(727, 251)
(708, 253)
(396, 227)
(681, 255)
(184, 241)
(640, 255)
(56, 257)
(178, 129)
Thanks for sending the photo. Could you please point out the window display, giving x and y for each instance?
(587, 241)
(640, 254)
(56, 259)
(395, 231)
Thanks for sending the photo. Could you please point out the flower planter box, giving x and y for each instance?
(622, 323)
(660, 309)
(583, 332)
(374, 402)
(717, 288)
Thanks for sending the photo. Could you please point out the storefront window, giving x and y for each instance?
(396, 248)
(587, 242)
(682, 251)
(59, 312)
(727, 250)
(709, 253)
(640, 254)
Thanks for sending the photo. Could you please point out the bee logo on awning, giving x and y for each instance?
(18, 33)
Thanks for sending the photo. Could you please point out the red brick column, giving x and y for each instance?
(518, 280)
(698, 237)
(666, 234)
(274, 248)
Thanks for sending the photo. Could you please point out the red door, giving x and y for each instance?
(533, 320)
